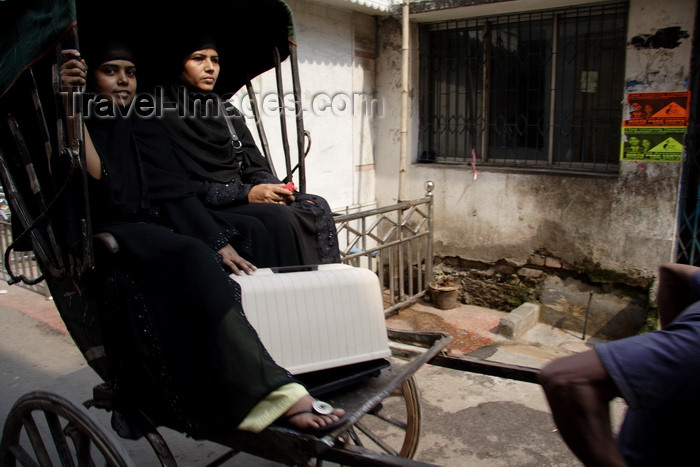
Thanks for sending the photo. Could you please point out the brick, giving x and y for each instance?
(552, 262)
(519, 320)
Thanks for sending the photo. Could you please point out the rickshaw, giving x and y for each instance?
(44, 180)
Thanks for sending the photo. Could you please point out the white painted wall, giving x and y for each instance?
(624, 223)
(658, 70)
(336, 49)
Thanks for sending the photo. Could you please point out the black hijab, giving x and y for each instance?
(104, 50)
(201, 138)
(123, 188)
(131, 149)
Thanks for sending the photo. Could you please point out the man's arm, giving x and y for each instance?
(579, 391)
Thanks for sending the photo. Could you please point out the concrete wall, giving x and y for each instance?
(623, 223)
(517, 223)
(337, 55)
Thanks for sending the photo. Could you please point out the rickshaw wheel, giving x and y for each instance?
(393, 426)
(46, 429)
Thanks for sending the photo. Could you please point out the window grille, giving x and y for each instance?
(540, 89)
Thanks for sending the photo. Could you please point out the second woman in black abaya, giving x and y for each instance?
(227, 171)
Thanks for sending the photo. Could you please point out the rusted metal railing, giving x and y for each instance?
(396, 242)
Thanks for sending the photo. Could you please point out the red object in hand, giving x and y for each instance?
(290, 186)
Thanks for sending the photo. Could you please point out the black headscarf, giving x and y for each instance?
(181, 48)
(188, 44)
(104, 50)
(201, 138)
(123, 188)
(107, 49)
(132, 150)
(196, 124)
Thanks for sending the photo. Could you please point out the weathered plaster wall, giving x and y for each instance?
(337, 54)
(624, 224)
(520, 225)
(659, 53)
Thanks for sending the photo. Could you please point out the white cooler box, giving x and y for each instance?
(317, 319)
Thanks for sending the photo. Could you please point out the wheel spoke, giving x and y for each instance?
(389, 419)
(376, 439)
(82, 445)
(76, 438)
(20, 454)
(354, 438)
(59, 439)
(393, 425)
(42, 455)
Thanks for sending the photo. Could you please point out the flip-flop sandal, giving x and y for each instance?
(318, 408)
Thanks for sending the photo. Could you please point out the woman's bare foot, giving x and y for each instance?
(302, 415)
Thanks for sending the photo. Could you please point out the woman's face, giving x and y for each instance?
(116, 81)
(201, 69)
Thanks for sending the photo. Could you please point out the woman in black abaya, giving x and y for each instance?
(180, 346)
(227, 171)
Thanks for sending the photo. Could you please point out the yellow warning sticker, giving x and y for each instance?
(659, 144)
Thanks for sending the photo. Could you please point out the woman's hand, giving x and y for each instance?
(235, 262)
(270, 193)
(73, 71)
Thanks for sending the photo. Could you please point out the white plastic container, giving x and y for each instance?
(314, 320)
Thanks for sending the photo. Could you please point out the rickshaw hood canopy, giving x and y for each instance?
(247, 33)
(29, 29)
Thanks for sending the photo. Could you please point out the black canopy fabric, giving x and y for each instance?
(246, 31)
(29, 29)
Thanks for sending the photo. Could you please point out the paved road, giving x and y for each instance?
(468, 419)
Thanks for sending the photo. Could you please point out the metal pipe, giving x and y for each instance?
(588, 312)
(404, 101)
(429, 187)
(259, 125)
(299, 112)
(282, 114)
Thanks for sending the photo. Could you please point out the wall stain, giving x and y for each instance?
(666, 38)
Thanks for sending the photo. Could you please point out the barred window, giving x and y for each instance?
(540, 89)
